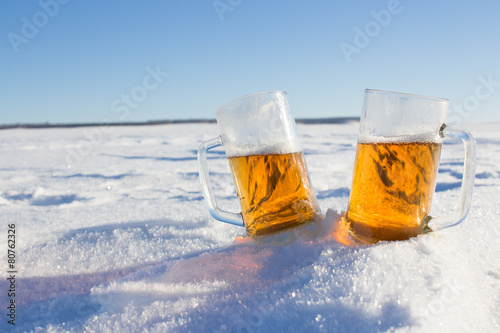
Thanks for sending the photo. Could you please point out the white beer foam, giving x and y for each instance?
(424, 137)
(287, 147)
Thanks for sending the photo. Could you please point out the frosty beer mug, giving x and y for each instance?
(397, 157)
(260, 139)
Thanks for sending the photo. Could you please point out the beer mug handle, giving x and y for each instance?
(464, 200)
(214, 210)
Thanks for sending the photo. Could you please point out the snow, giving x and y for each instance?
(113, 235)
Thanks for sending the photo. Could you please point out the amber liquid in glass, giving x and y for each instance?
(392, 189)
(275, 192)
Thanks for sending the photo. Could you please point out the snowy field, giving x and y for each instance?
(112, 235)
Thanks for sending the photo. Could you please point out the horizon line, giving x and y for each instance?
(333, 120)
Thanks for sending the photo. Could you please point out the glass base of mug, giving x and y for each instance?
(306, 229)
(362, 240)
(367, 238)
(286, 223)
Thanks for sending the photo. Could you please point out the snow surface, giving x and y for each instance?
(113, 235)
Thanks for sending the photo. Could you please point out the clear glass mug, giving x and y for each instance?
(397, 158)
(260, 138)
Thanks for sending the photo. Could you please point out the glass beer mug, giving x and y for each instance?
(260, 139)
(397, 157)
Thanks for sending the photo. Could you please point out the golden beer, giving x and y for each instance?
(393, 184)
(275, 192)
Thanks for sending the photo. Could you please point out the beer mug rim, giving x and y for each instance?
(250, 95)
(406, 94)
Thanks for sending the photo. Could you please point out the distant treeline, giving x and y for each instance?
(340, 120)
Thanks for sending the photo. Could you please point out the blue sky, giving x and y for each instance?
(90, 61)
